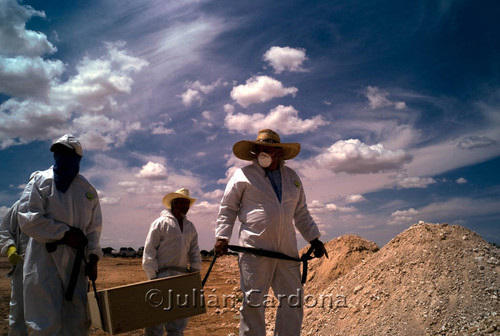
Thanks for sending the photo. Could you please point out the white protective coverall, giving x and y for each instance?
(267, 224)
(45, 214)
(11, 235)
(167, 246)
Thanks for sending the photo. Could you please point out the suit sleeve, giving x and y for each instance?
(149, 257)
(229, 206)
(32, 218)
(303, 220)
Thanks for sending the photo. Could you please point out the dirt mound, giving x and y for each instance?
(431, 279)
(344, 254)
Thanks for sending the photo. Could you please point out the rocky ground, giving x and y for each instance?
(432, 279)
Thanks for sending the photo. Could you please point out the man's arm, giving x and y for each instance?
(31, 214)
(149, 257)
(194, 254)
(8, 229)
(228, 212)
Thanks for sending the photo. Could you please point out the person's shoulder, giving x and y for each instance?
(83, 181)
(288, 170)
(190, 225)
(42, 176)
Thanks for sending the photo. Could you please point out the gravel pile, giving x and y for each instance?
(432, 279)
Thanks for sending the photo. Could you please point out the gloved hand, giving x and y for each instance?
(74, 238)
(220, 247)
(91, 267)
(319, 249)
(12, 255)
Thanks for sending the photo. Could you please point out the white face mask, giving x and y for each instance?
(264, 160)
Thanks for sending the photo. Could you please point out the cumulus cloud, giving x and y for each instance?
(160, 128)
(354, 199)
(214, 195)
(77, 105)
(317, 207)
(23, 72)
(284, 119)
(473, 142)
(196, 90)
(260, 89)
(15, 39)
(98, 80)
(413, 182)
(28, 76)
(401, 217)
(110, 200)
(153, 171)
(285, 58)
(354, 157)
(461, 180)
(378, 98)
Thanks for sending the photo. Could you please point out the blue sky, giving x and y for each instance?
(396, 106)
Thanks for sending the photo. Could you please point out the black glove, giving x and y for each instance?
(74, 238)
(319, 249)
(91, 267)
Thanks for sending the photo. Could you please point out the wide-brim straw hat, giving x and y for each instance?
(245, 149)
(181, 193)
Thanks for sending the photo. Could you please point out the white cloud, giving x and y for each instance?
(317, 207)
(284, 119)
(22, 76)
(75, 105)
(23, 72)
(413, 182)
(378, 98)
(14, 38)
(260, 89)
(98, 132)
(98, 80)
(461, 180)
(207, 115)
(401, 217)
(190, 96)
(448, 211)
(455, 208)
(153, 171)
(285, 58)
(354, 199)
(110, 200)
(214, 195)
(196, 89)
(354, 157)
(160, 128)
(473, 142)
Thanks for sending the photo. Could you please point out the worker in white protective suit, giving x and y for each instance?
(13, 244)
(60, 211)
(171, 248)
(268, 199)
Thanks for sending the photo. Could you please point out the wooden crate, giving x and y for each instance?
(147, 303)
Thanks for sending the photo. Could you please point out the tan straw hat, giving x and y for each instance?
(181, 193)
(245, 149)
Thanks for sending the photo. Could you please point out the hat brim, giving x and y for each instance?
(167, 199)
(244, 149)
(58, 146)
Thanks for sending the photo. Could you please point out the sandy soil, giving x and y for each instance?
(223, 280)
(432, 279)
